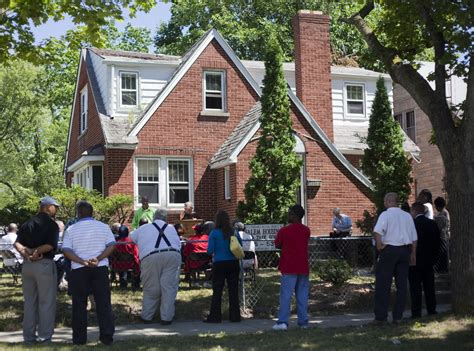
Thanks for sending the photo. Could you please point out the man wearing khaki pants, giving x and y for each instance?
(37, 240)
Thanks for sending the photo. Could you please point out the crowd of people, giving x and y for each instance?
(409, 246)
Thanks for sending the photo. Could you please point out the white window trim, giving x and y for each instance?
(86, 171)
(119, 85)
(84, 110)
(227, 183)
(163, 180)
(224, 90)
(346, 100)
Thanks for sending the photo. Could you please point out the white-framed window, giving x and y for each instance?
(227, 183)
(128, 89)
(148, 179)
(178, 181)
(354, 99)
(84, 110)
(166, 181)
(214, 91)
(407, 123)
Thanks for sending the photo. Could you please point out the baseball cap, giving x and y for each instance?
(48, 200)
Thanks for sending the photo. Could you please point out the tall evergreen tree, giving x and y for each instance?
(275, 167)
(384, 161)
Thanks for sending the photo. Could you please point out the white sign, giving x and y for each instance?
(265, 232)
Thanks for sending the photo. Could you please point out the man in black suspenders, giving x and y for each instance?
(160, 261)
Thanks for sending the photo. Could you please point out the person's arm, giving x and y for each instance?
(71, 255)
(279, 239)
(23, 250)
(378, 241)
(413, 254)
(136, 218)
(210, 244)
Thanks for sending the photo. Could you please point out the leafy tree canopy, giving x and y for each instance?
(18, 17)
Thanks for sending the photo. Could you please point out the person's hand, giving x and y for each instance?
(93, 262)
(36, 256)
(380, 247)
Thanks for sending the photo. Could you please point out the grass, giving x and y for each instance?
(193, 303)
(444, 332)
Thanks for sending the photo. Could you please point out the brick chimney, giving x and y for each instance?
(313, 66)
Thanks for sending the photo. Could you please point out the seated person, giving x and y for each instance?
(196, 244)
(7, 241)
(247, 244)
(127, 247)
(341, 224)
(188, 212)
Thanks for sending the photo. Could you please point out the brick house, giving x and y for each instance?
(428, 170)
(184, 128)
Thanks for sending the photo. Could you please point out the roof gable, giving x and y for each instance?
(188, 60)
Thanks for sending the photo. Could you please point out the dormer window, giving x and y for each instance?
(128, 89)
(84, 110)
(355, 103)
(214, 91)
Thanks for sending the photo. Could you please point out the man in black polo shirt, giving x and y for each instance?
(37, 241)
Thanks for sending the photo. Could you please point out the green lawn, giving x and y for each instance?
(444, 332)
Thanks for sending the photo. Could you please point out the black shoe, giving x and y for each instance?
(166, 322)
(107, 342)
(146, 321)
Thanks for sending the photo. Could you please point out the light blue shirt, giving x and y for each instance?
(342, 224)
(219, 248)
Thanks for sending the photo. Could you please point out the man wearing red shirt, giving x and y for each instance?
(294, 267)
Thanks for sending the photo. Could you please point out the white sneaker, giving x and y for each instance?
(280, 326)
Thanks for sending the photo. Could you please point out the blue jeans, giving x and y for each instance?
(300, 284)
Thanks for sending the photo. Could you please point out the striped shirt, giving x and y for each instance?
(88, 238)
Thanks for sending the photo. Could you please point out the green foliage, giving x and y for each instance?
(18, 17)
(275, 168)
(116, 208)
(131, 39)
(367, 223)
(242, 24)
(384, 160)
(334, 272)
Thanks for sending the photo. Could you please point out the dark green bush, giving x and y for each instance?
(335, 272)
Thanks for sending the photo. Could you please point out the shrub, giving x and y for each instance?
(335, 272)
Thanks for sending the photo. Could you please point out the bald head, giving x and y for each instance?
(390, 200)
(12, 228)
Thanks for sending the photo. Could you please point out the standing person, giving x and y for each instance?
(395, 237)
(225, 268)
(247, 244)
(87, 244)
(442, 219)
(293, 241)
(426, 199)
(160, 262)
(421, 275)
(36, 242)
(143, 212)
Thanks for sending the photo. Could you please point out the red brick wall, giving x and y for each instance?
(93, 134)
(313, 66)
(338, 189)
(178, 128)
(429, 173)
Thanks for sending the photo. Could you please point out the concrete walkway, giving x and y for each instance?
(137, 331)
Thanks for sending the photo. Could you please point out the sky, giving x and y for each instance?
(160, 13)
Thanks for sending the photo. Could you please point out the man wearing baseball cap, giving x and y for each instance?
(37, 241)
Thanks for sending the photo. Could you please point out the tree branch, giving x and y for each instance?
(4, 182)
(439, 44)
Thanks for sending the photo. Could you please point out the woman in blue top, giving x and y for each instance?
(225, 267)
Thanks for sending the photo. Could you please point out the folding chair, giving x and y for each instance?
(205, 268)
(11, 264)
(120, 262)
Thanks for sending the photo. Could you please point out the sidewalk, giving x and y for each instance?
(137, 331)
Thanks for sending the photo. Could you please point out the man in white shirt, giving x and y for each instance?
(7, 241)
(395, 238)
(160, 262)
(88, 243)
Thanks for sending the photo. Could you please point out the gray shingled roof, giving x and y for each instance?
(116, 130)
(234, 139)
(94, 85)
(349, 138)
(104, 53)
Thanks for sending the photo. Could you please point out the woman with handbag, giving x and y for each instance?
(225, 267)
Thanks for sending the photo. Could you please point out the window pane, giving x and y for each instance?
(355, 107)
(354, 92)
(410, 119)
(214, 81)
(129, 81)
(213, 102)
(149, 190)
(179, 194)
(129, 98)
(97, 178)
(148, 170)
(178, 171)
